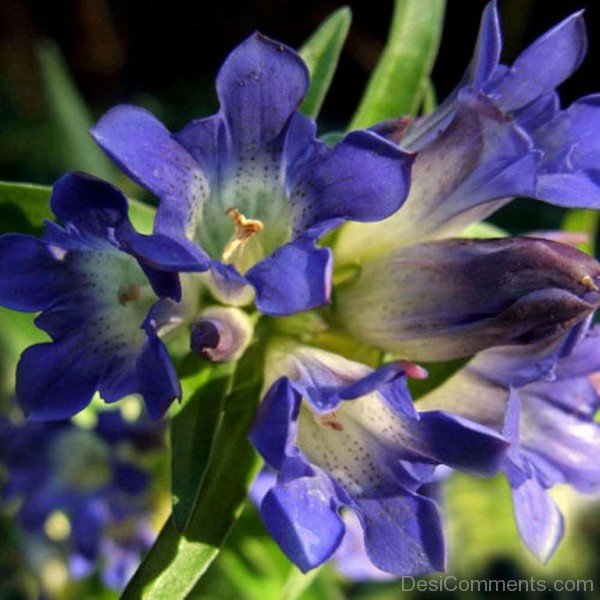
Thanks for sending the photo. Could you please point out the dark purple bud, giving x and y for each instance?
(449, 299)
(221, 334)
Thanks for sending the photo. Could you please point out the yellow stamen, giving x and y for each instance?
(588, 282)
(244, 230)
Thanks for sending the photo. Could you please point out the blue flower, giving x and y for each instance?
(75, 491)
(546, 409)
(344, 437)
(499, 135)
(251, 189)
(96, 284)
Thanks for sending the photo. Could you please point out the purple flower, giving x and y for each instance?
(548, 418)
(76, 492)
(344, 437)
(251, 189)
(96, 284)
(500, 134)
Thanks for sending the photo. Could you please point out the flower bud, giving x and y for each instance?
(221, 334)
(450, 299)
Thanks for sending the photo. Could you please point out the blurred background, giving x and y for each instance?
(64, 62)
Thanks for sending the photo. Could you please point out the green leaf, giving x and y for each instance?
(71, 118)
(321, 53)
(399, 81)
(194, 428)
(430, 102)
(23, 208)
(583, 221)
(177, 561)
(483, 230)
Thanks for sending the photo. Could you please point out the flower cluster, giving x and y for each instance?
(74, 490)
(245, 199)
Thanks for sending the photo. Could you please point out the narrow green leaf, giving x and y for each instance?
(24, 206)
(583, 221)
(398, 83)
(321, 53)
(177, 561)
(193, 431)
(71, 118)
(429, 98)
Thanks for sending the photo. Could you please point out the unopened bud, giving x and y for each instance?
(221, 334)
(450, 299)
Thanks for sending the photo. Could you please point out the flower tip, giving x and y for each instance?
(413, 371)
(221, 334)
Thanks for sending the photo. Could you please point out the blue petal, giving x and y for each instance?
(302, 516)
(260, 85)
(144, 149)
(342, 182)
(538, 519)
(461, 443)
(92, 205)
(403, 534)
(56, 380)
(31, 277)
(488, 48)
(272, 433)
(295, 278)
(544, 65)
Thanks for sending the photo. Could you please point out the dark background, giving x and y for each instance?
(171, 49)
(164, 54)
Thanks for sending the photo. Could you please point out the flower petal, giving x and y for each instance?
(146, 151)
(260, 85)
(295, 278)
(488, 47)
(55, 381)
(474, 165)
(303, 519)
(538, 519)
(544, 65)
(31, 277)
(342, 182)
(403, 534)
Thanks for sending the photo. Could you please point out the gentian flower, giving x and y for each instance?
(251, 189)
(549, 421)
(501, 134)
(342, 436)
(75, 491)
(96, 284)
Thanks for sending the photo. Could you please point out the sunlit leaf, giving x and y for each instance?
(71, 118)
(583, 221)
(177, 561)
(399, 81)
(429, 98)
(193, 432)
(321, 53)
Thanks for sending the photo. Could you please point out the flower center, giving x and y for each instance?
(244, 229)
